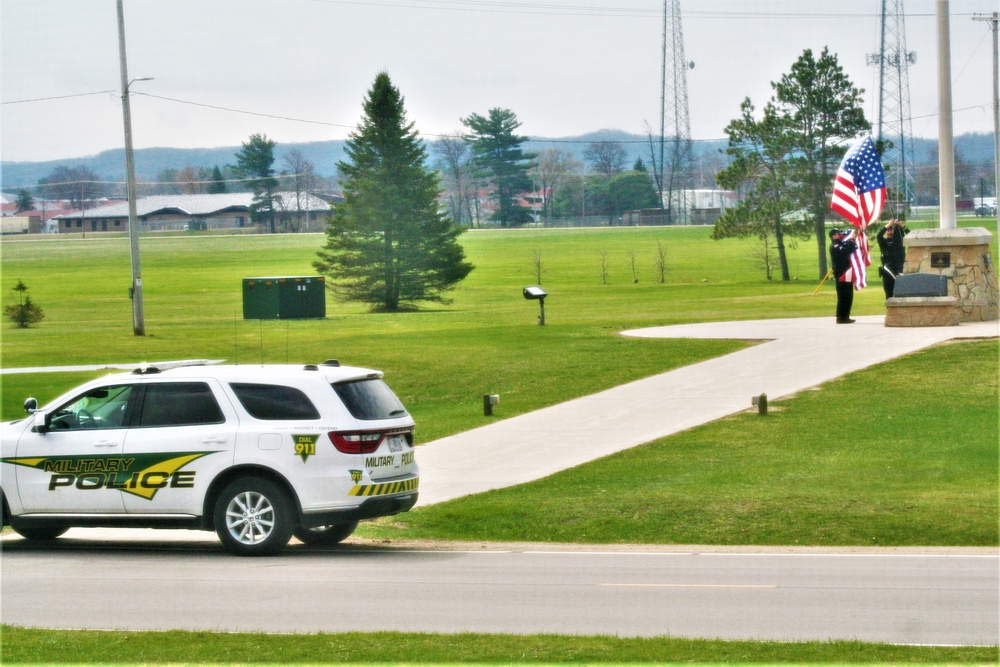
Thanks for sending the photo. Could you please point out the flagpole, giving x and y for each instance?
(828, 272)
(946, 141)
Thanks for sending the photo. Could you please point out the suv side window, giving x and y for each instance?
(273, 402)
(179, 404)
(99, 408)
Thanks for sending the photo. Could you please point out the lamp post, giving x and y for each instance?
(138, 317)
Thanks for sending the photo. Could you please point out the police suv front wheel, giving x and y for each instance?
(254, 517)
(37, 533)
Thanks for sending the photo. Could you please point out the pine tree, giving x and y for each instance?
(217, 185)
(497, 153)
(255, 162)
(25, 312)
(826, 113)
(387, 243)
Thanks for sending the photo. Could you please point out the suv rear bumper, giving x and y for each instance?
(369, 509)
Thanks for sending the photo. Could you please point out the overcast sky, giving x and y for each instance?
(297, 70)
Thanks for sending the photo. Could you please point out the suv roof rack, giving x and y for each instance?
(160, 366)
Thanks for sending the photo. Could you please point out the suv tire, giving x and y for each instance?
(326, 535)
(254, 517)
(37, 533)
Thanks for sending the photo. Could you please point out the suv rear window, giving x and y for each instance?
(369, 399)
(274, 402)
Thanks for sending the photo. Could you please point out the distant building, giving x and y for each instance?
(197, 212)
(14, 224)
(700, 207)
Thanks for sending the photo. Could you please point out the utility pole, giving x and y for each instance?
(894, 125)
(675, 121)
(138, 317)
(996, 102)
(946, 132)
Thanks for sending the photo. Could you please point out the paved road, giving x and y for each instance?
(905, 597)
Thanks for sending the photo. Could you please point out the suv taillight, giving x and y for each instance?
(357, 442)
(365, 442)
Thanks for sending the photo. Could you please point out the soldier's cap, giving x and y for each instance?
(835, 231)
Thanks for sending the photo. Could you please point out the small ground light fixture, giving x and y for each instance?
(489, 400)
(761, 403)
(537, 293)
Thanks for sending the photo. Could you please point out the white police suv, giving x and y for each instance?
(256, 453)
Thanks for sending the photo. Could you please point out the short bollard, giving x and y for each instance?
(761, 403)
(489, 400)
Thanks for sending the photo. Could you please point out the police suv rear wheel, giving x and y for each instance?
(333, 534)
(253, 517)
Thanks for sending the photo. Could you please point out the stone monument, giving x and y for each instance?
(964, 257)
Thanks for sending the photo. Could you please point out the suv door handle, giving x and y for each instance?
(215, 440)
(105, 443)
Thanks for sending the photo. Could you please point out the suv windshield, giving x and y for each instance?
(369, 399)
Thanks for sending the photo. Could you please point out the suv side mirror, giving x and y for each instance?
(42, 419)
(42, 422)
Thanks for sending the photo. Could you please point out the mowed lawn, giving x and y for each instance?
(904, 453)
(441, 359)
(870, 459)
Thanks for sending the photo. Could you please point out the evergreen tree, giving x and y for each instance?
(255, 162)
(786, 161)
(496, 151)
(25, 202)
(824, 111)
(387, 243)
(217, 186)
(762, 174)
(25, 312)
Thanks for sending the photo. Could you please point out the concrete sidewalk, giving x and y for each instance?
(798, 354)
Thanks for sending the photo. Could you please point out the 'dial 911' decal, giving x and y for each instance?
(140, 474)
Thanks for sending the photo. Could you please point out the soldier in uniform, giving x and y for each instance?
(842, 246)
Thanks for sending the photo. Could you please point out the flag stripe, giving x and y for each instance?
(858, 195)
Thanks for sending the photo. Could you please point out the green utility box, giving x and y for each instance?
(284, 298)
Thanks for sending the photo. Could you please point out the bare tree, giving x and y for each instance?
(301, 177)
(634, 264)
(550, 170)
(453, 161)
(763, 252)
(537, 265)
(661, 262)
(78, 184)
(606, 157)
(604, 267)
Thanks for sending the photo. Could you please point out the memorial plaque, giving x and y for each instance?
(940, 260)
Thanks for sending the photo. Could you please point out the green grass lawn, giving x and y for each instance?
(790, 478)
(24, 646)
(915, 464)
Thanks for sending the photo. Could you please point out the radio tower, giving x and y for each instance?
(675, 123)
(894, 127)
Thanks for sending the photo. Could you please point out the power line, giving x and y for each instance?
(61, 97)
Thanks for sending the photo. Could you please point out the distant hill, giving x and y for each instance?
(149, 162)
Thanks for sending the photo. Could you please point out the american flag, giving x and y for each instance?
(858, 195)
